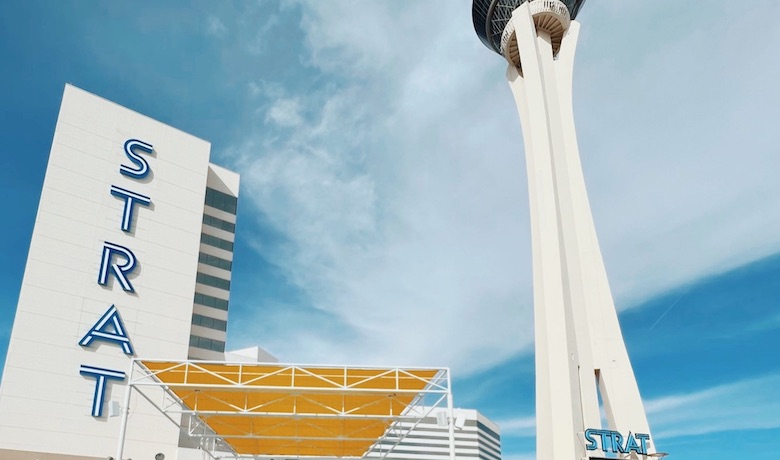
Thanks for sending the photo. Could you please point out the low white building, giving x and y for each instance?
(476, 437)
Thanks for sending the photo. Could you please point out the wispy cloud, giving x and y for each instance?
(386, 209)
(215, 27)
(400, 188)
(285, 113)
(742, 405)
(262, 35)
(519, 427)
(765, 324)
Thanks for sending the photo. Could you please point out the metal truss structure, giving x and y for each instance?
(268, 410)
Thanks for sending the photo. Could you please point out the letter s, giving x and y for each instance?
(591, 442)
(140, 168)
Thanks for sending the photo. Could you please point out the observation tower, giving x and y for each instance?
(580, 352)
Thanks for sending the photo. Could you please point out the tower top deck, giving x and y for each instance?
(491, 17)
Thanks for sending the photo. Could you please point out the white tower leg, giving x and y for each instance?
(578, 338)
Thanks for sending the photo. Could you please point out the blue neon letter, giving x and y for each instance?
(589, 437)
(604, 435)
(617, 442)
(140, 168)
(102, 331)
(101, 380)
(631, 444)
(643, 438)
(131, 199)
(108, 266)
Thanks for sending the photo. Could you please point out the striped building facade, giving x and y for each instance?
(476, 437)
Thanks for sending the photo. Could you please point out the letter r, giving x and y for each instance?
(109, 266)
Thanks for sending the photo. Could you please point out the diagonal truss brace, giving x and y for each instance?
(436, 392)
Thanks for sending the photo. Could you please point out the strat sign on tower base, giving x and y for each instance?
(580, 351)
(130, 256)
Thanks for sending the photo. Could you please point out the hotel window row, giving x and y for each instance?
(216, 242)
(219, 223)
(215, 261)
(211, 323)
(221, 201)
(209, 301)
(207, 344)
(218, 228)
(213, 281)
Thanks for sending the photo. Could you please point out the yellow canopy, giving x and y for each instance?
(290, 410)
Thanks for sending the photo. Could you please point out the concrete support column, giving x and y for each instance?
(578, 336)
(557, 398)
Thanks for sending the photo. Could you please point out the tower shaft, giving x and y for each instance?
(579, 346)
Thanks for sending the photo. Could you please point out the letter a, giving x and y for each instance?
(631, 444)
(643, 439)
(102, 331)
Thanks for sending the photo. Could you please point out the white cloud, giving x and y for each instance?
(384, 200)
(518, 427)
(215, 27)
(402, 197)
(683, 184)
(743, 405)
(285, 113)
(262, 35)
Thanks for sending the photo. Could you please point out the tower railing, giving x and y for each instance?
(556, 7)
(551, 16)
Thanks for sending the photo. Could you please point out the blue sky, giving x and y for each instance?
(383, 216)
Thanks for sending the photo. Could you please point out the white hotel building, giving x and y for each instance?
(131, 256)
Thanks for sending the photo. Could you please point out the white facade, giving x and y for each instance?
(79, 266)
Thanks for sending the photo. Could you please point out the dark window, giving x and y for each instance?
(219, 223)
(214, 281)
(207, 344)
(216, 242)
(211, 323)
(209, 301)
(219, 200)
(488, 431)
(215, 261)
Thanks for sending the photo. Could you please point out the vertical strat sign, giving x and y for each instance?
(117, 262)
